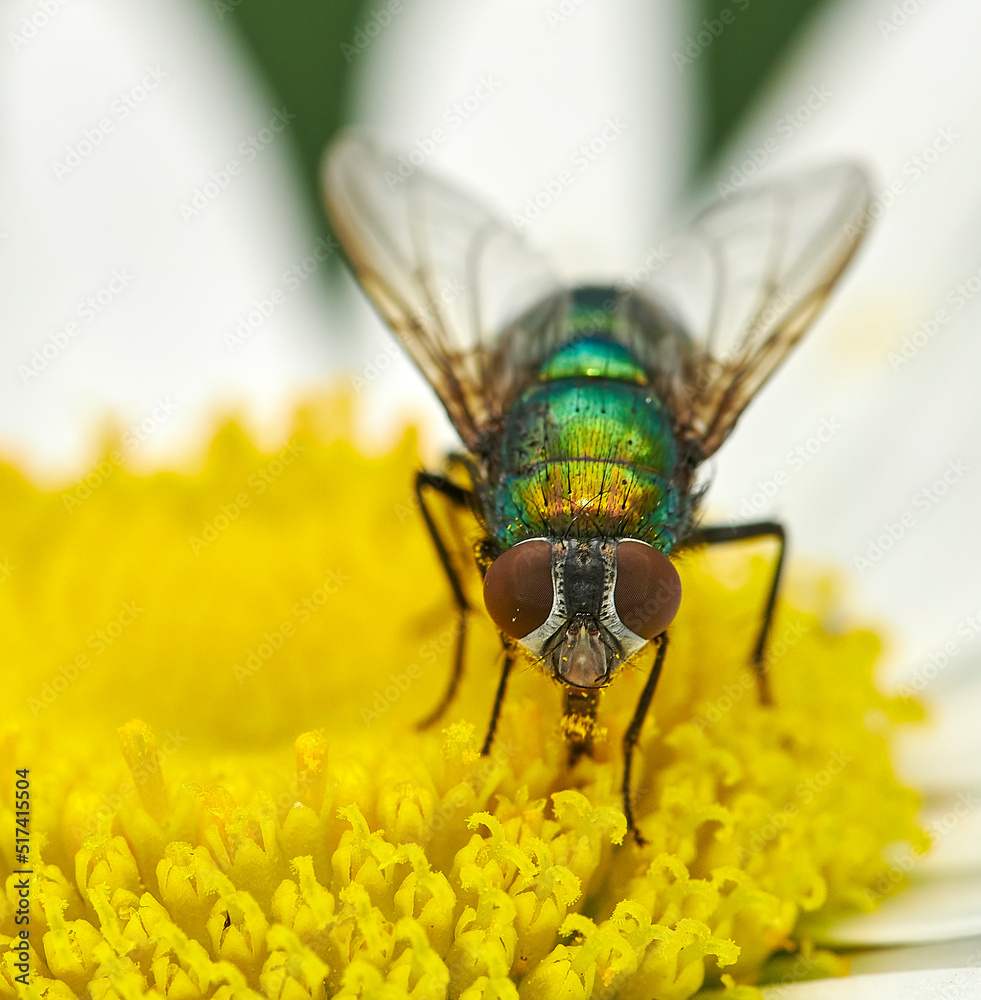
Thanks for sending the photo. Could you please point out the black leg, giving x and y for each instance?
(502, 686)
(736, 533)
(633, 732)
(460, 497)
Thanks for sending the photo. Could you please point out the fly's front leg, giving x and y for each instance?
(462, 498)
(736, 533)
(632, 734)
(502, 686)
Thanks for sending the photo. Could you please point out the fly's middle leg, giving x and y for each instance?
(427, 481)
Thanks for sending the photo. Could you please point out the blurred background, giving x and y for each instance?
(162, 242)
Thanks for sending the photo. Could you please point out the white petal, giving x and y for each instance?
(944, 754)
(959, 954)
(557, 81)
(929, 910)
(505, 94)
(931, 984)
(868, 491)
(954, 824)
(141, 154)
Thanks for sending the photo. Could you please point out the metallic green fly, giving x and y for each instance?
(586, 410)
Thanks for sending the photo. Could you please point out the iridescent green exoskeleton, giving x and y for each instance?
(586, 410)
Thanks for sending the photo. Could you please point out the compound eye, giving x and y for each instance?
(648, 589)
(518, 589)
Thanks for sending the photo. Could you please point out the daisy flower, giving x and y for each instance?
(216, 645)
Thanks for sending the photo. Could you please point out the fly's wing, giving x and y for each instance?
(444, 273)
(745, 282)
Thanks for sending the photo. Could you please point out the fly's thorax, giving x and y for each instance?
(588, 448)
(582, 607)
(586, 457)
(584, 417)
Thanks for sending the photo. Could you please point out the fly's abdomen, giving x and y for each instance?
(588, 451)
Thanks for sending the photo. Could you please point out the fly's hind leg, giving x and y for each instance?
(461, 498)
(739, 532)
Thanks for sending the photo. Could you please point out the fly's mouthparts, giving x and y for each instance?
(581, 660)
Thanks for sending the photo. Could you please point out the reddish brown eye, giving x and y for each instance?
(518, 588)
(648, 589)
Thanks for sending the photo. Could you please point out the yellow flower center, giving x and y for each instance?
(214, 681)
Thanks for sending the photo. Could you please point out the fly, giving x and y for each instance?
(585, 411)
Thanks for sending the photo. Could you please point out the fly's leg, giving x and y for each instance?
(633, 733)
(502, 686)
(460, 497)
(736, 533)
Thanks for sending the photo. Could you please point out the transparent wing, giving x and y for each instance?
(443, 271)
(745, 282)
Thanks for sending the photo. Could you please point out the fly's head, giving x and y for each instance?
(582, 607)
